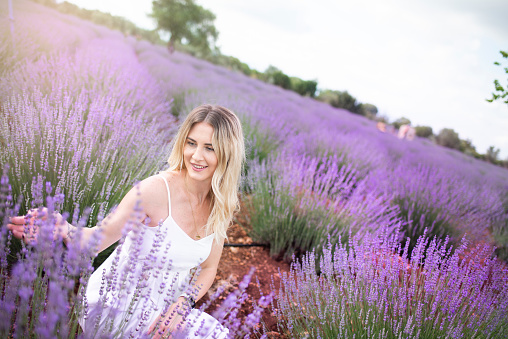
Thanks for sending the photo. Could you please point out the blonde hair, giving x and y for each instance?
(228, 143)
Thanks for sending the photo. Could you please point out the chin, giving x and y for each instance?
(201, 176)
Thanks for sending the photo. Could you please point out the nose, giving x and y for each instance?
(198, 154)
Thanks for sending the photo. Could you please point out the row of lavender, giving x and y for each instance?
(431, 187)
(80, 122)
(388, 216)
(101, 103)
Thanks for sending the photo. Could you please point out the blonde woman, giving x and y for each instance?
(191, 204)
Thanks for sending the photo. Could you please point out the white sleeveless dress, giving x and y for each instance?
(130, 289)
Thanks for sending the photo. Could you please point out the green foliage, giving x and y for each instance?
(177, 104)
(424, 131)
(261, 142)
(447, 137)
(304, 87)
(282, 80)
(340, 100)
(368, 110)
(401, 121)
(184, 19)
(500, 92)
(296, 211)
(467, 147)
(278, 219)
(499, 231)
(277, 77)
(231, 63)
(424, 219)
(492, 154)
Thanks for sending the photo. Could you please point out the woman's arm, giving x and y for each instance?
(209, 269)
(144, 194)
(204, 281)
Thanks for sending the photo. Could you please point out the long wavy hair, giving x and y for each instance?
(229, 146)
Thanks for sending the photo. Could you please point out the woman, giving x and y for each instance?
(147, 282)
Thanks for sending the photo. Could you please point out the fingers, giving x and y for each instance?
(163, 326)
(150, 329)
(23, 227)
(17, 226)
(158, 328)
(17, 234)
(17, 220)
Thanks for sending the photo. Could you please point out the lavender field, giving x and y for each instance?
(388, 238)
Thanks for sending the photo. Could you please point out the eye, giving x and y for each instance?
(210, 149)
(190, 143)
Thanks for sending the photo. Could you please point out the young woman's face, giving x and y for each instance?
(198, 154)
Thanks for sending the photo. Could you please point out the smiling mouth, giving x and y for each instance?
(199, 167)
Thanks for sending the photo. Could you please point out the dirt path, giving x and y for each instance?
(237, 262)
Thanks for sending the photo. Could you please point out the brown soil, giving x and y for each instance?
(237, 262)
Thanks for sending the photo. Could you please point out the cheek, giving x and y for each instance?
(212, 160)
(187, 153)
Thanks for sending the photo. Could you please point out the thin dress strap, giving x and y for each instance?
(169, 198)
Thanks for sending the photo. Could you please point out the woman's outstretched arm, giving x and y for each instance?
(110, 228)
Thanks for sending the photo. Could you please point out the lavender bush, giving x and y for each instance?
(37, 294)
(366, 290)
(297, 205)
(91, 139)
(500, 232)
(440, 202)
(92, 111)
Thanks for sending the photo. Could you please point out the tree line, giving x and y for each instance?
(191, 30)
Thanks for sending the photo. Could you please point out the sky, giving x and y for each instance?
(431, 61)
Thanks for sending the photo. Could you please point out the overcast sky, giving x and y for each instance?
(428, 60)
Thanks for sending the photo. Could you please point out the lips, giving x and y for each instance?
(198, 168)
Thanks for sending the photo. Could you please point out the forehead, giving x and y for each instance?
(201, 131)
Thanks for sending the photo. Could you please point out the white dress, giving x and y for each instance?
(130, 289)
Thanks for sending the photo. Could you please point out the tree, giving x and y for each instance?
(424, 131)
(304, 87)
(368, 110)
(184, 19)
(340, 100)
(500, 93)
(467, 147)
(277, 77)
(282, 80)
(492, 154)
(447, 137)
(401, 121)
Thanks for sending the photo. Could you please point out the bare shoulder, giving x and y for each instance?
(168, 175)
(157, 179)
(153, 195)
(153, 188)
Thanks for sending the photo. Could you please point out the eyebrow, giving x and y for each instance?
(207, 144)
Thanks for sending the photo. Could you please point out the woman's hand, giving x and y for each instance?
(27, 227)
(172, 321)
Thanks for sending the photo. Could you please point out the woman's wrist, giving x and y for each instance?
(64, 229)
(190, 300)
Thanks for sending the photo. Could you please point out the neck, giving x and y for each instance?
(196, 189)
